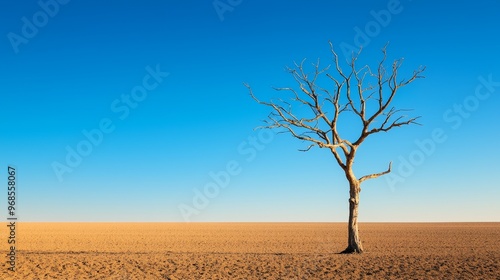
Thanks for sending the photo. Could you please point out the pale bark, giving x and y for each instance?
(369, 102)
(354, 244)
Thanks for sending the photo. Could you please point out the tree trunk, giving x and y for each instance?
(354, 242)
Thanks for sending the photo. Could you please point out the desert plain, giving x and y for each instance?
(252, 251)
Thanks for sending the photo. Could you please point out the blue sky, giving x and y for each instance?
(69, 67)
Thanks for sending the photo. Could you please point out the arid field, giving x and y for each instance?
(253, 251)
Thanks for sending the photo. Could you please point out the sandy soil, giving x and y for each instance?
(252, 251)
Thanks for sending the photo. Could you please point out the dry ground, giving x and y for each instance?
(252, 251)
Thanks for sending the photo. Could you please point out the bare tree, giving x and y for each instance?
(358, 97)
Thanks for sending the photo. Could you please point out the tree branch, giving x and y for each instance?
(357, 92)
(376, 175)
(284, 118)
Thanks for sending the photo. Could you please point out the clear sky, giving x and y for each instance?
(129, 110)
